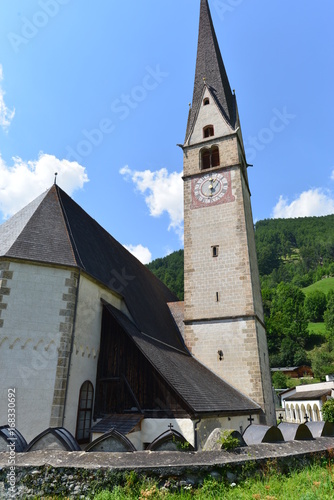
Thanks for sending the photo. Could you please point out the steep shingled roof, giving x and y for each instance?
(210, 71)
(201, 390)
(54, 229)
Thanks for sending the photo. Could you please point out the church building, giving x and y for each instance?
(92, 341)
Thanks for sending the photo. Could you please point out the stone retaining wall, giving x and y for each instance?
(81, 475)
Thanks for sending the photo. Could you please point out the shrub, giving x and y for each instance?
(228, 441)
(328, 411)
(280, 381)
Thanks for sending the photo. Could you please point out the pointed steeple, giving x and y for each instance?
(210, 72)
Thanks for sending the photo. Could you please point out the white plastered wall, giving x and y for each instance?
(29, 341)
(87, 333)
(151, 428)
(209, 115)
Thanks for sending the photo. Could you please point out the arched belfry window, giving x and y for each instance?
(210, 157)
(208, 131)
(85, 408)
(206, 101)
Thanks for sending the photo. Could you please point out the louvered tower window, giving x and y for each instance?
(210, 157)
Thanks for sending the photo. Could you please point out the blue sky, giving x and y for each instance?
(99, 92)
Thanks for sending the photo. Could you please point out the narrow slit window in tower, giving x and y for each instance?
(215, 251)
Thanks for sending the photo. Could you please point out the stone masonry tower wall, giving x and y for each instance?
(224, 326)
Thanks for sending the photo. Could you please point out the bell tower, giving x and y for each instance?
(224, 324)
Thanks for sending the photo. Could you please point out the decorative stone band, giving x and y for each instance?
(5, 276)
(66, 326)
(245, 317)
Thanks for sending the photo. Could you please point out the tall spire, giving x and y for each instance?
(210, 71)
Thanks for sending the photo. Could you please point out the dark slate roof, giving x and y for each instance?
(121, 423)
(200, 389)
(44, 235)
(56, 230)
(177, 311)
(210, 71)
(308, 395)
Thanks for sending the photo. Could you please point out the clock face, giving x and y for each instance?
(211, 188)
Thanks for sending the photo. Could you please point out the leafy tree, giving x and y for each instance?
(315, 306)
(288, 311)
(287, 325)
(328, 411)
(279, 380)
(268, 258)
(267, 297)
(323, 361)
(170, 271)
(329, 316)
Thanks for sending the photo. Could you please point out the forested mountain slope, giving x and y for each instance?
(299, 251)
(292, 254)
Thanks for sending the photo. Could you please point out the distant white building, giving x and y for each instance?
(304, 403)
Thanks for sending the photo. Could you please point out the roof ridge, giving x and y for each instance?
(68, 228)
(165, 344)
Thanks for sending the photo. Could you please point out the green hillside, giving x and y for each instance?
(296, 266)
(317, 328)
(324, 285)
(170, 271)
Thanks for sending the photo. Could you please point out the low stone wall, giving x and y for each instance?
(81, 475)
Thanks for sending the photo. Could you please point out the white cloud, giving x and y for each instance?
(6, 115)
(163, 193)
(332, 176)
(24, 181)
(314, 202)
(140, 252)
(168, 251)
